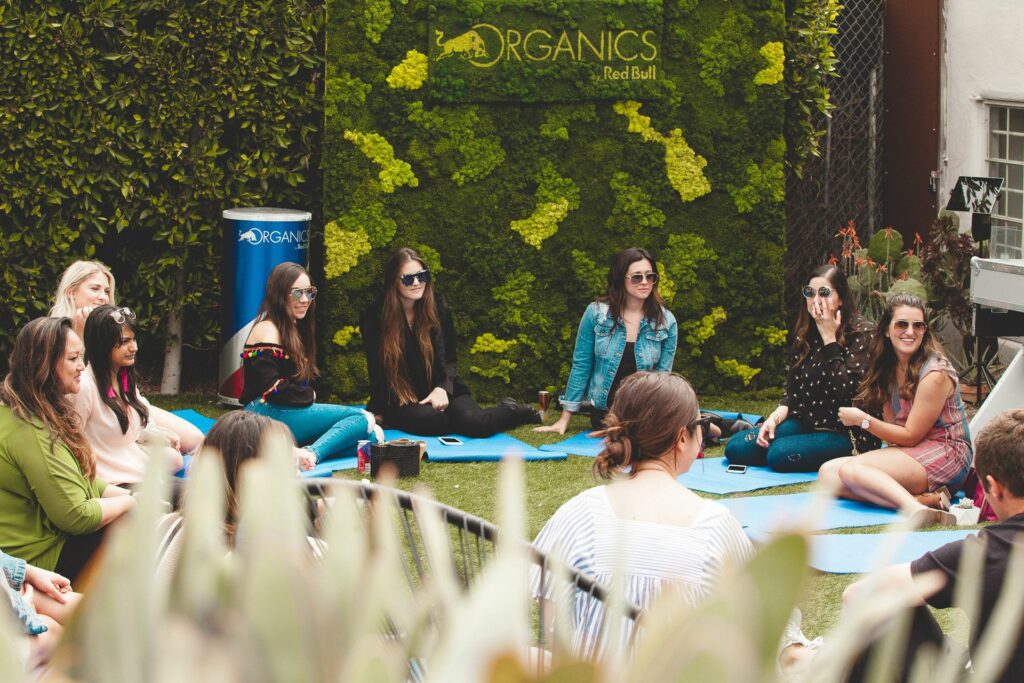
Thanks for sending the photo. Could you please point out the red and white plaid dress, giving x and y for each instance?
(945, 451)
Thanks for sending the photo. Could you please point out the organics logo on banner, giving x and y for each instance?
(591, 50)
(257, 236)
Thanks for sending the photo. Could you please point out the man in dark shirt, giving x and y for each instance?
(999, 461)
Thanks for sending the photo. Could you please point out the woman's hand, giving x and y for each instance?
(852, 417)
(305, 457)
(438, 399)
(78, 320)
(827, 319)
(766, 434)
(48, 583)
(559, 426)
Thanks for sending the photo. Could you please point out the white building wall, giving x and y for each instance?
(982, 61)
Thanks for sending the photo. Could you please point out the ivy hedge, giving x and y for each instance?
(518, 207)
(127, 126)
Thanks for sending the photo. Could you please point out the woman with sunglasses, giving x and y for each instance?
(83, 286)
(121, 425)
(409, 342)
(279, 368)
(53, 509)
(828, 358)
(626, 330)
(676, 542)
(911, 384)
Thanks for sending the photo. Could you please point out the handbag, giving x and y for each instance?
(403, 454)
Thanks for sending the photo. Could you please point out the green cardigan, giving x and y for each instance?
(44, 497)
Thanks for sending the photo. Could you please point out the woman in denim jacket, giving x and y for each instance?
(626, 330)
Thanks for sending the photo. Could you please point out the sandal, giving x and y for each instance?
(926, 517)
(939, 499)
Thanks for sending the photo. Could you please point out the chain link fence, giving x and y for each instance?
(845, 182)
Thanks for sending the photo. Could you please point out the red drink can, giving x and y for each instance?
(363, 456)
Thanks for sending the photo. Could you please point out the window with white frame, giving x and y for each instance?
(1006, 160)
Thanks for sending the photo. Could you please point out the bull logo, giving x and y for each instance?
(469, 45)
(249, 236)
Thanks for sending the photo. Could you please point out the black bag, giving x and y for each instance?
(403, 453)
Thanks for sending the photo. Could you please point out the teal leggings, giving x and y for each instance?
(796, 448)
(329, 430)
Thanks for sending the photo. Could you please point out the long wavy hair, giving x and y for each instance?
(649, 412)
(393, 324)
(74, 275)
(102, 336)
(805, 329)
(34, 393)
(615, 290)
(297, 338)
(236, 438)
(882, 362)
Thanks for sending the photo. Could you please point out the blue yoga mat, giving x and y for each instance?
(477, 450)
(329, 467)
(579, 444)
(732, 415)
(201, 421)
(763, 513)
(858, 553)
(709, 475)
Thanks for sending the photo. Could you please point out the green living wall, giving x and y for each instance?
(519, 206)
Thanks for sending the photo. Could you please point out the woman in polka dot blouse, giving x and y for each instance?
(828, 359)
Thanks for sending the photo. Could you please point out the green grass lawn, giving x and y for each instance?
(471, 487)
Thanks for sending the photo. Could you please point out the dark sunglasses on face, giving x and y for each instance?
(408, 280)
(823, 292)
(701, 422)
(297, 293)
(918, 325)
(638, 278)
(121, 314)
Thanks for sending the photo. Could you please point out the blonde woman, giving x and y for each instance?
(83, 286)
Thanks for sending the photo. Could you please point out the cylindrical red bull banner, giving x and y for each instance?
(255, 241)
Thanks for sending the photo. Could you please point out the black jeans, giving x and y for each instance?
(463, 416)
(924, 630)
(77, 552)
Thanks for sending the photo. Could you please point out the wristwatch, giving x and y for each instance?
(865, 423)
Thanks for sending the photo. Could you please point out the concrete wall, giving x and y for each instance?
(982, 60)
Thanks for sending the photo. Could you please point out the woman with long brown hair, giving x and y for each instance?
(828, 358)
(916, 390)
(279, 369)
(626, 330)
(409, 342)
(53, 510)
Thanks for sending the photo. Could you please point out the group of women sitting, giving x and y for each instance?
(73, 423)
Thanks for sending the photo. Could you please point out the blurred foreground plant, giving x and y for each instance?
(267, 610)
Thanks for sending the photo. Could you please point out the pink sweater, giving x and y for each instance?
(120, 459)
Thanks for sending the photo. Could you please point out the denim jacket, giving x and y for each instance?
(599, 349)
(12, 576)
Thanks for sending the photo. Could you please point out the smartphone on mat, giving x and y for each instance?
(736, 469)
(452, 441)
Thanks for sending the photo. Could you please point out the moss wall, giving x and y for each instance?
(519, 207)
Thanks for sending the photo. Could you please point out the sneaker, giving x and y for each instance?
(526, 413)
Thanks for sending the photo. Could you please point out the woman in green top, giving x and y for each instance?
(53, 510)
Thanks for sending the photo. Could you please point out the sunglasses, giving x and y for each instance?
(410, 279)
(702, 422)
(823, 292)
(297, 293)
(903, 325)
(638, 278)
(120, 315)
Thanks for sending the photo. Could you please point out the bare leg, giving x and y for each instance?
(887, 477)
(43, 644)
(828, 478)
(47, 606)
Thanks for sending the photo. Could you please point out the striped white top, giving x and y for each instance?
(586, 533)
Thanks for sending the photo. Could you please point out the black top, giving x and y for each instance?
(443, 372)
(268, 373)
(627, 366)
(828, 380)
(998, 542)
